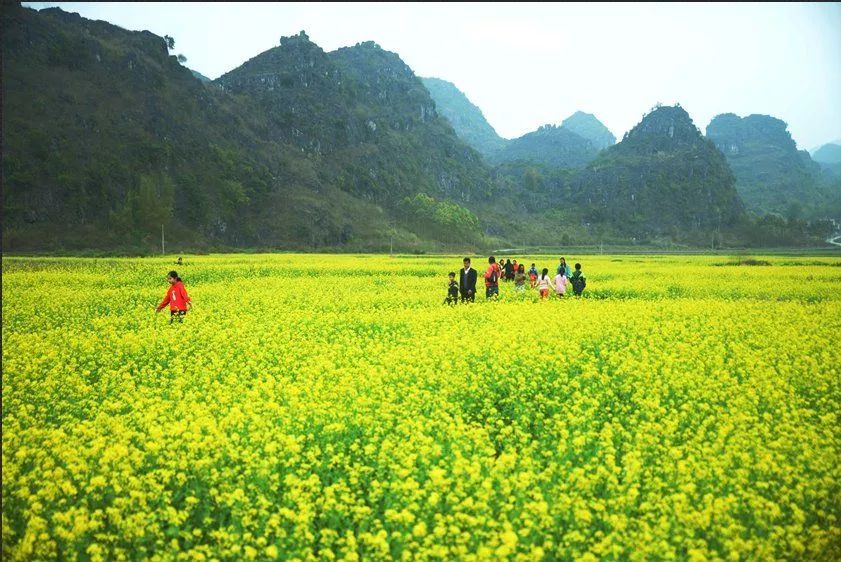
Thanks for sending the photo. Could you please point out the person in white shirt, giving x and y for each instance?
(543, 283)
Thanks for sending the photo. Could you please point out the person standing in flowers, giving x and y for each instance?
(560, 284)
(543, 283)
(452, 290)
(520, 278)
(578, 281)
(492, 275)
(176, 297)
(563, 268)
(533, 275)
(509, 270)
(467, 282)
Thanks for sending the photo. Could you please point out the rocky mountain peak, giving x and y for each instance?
(588, 126)
(771, 173)
(732, 133)
(665, 126)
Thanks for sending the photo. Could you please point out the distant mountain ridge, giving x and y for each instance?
(549, 145)
(771, 174)
(571, 145)
(829, 153)
(465, 117)
(589, 127)
(815, 149)
(828, 158)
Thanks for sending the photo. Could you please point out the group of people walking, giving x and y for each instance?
(465, 289)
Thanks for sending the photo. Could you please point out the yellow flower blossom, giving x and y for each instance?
(329, 407)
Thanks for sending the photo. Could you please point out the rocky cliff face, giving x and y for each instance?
(364, 111)
(663, 176)
(589, 127)
(771, 174)
(294, 85)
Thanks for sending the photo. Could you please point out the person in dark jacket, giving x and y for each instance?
(509, 271)
(578, 281)
(452, 290)
(467, 282)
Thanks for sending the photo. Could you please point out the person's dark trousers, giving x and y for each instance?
(177, 314)
(491, 291)
(468, 298)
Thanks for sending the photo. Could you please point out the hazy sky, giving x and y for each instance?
(526, 65)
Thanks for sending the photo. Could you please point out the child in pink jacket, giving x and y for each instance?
(560, 284)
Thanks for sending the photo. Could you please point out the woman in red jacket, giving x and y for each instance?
(177, 299)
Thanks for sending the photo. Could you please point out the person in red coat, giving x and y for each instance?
(176, 297)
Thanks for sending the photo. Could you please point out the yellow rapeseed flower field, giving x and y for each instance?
(322, 407)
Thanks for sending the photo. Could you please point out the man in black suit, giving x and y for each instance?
(467, 282)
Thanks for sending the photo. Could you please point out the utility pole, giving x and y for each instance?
(163, 243)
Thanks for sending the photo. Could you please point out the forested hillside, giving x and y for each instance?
(107, 137)
(110, 142)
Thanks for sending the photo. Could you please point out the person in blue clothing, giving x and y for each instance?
(563, 268)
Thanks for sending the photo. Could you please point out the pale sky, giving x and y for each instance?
(526, 65)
